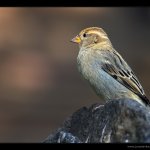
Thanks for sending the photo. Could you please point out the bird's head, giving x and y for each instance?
(90, 37)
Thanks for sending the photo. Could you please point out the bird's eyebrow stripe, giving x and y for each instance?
(98, 33)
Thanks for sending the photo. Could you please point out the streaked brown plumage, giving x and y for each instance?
(105, 69)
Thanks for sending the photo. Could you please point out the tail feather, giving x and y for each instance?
(145, 99)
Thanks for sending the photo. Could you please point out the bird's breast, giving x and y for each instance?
(104, 85)
(85, 64)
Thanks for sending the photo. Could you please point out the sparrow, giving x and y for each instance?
(104, 68)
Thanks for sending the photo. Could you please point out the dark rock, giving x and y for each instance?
(118, 121)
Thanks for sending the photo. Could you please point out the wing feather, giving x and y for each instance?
(120, 71)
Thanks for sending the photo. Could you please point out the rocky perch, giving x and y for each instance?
(118, 121)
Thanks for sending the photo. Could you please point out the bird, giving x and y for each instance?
(105, 69)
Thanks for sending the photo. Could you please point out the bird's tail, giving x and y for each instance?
(145, 100)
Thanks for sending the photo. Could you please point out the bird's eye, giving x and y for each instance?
(84, 35)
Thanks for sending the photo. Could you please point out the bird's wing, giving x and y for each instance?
(119, 70)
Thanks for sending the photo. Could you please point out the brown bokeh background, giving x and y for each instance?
(39, 82)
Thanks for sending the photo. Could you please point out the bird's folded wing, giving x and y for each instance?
(123, 74)
(124, 78)
(129, 81)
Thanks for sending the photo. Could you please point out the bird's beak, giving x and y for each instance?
(76, 39)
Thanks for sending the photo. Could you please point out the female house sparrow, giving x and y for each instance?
(105, 69)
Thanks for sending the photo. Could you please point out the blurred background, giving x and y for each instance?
(39, 82)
